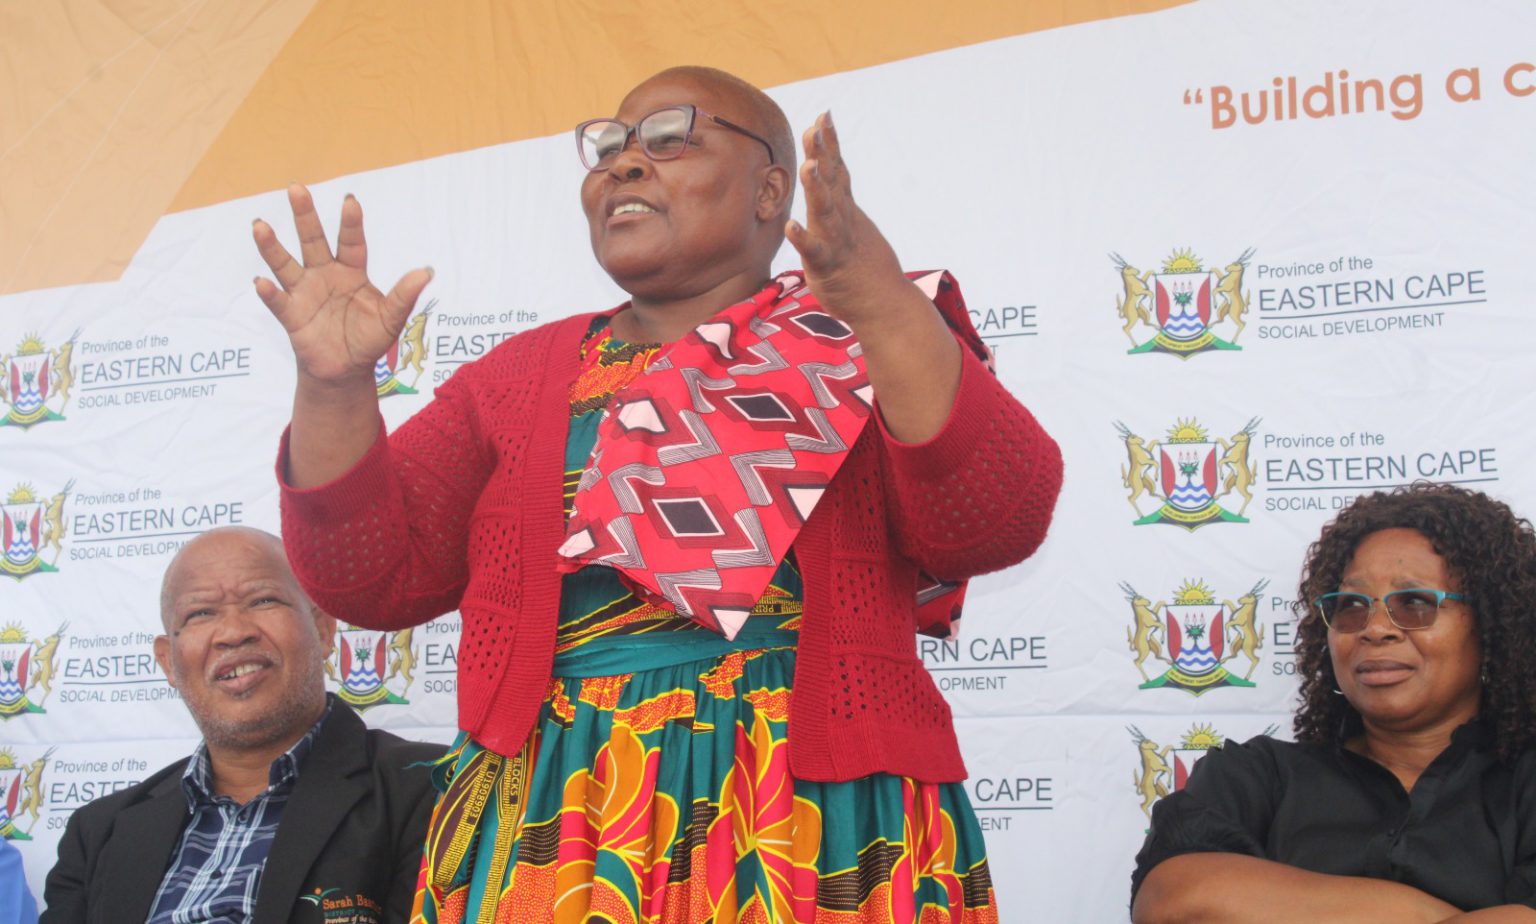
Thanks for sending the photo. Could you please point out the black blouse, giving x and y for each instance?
(1466, 834)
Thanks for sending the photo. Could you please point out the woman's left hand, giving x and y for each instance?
(912, 359)
(848, 263)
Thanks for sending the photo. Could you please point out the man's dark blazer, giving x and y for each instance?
(352, 832)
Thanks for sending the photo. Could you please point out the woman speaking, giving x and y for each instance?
(691, 538)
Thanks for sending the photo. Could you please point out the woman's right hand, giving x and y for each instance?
(338, 322)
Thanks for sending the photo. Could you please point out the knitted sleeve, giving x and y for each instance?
(978, 496)
(384, 545)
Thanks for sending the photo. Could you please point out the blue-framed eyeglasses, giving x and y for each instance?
(1411, 608)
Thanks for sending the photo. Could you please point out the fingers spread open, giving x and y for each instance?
(274, 298)
(834, 169)
(808, 140)
(821, 197)
(402, 298)
(812, 249)
(829, 136)
(313, 246)
(278, 259)
(351, 247)
(823, 174)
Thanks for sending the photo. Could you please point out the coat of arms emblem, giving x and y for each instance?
(26, 665)
(31, 523)
(1196, 636)
(21, 794)
(366, 660)
(1182, 303)
(1189, 472)
(37, 383)
(409, 352)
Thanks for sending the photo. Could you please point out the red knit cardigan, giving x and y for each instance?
(461, 507)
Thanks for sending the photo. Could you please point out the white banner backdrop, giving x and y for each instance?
(1244, 260)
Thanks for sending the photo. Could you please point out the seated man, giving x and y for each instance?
(289, 807)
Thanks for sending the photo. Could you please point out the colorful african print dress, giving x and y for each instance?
(656, 786)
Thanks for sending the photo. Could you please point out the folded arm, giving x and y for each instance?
(1213, 888)
(1503, 914)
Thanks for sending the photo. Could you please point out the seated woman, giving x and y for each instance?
(1410, 794)
(778, 459)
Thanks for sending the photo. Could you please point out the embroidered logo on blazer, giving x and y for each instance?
(339, 907)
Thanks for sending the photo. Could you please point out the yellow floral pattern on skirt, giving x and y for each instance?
(657, 800)
(655, 788)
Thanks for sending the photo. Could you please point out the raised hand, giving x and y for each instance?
(338, 322)
(912, 360)
(848, 262)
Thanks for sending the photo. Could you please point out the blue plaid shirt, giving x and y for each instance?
(216, 870)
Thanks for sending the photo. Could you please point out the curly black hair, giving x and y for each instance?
(1489, 550)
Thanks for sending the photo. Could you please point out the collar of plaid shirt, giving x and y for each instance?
(216, 870)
